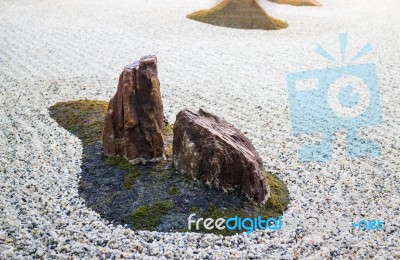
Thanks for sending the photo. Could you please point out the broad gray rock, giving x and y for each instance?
(210, 149)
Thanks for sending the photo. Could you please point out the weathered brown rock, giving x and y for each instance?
(135, 119)
(210, 149)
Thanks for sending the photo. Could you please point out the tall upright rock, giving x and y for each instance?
(134, 122)
(208, 148)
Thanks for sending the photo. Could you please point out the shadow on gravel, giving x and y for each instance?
(101, 186)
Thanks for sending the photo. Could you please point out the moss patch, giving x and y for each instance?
(168, 150)
(130, 178)
(124, 164)
(83, 118)
(194, 209)
(240, 14)
(120, 162)
(168, 137)
(173, 191)
(149, 216)
(168, 130)
(279, 194)
(298, 2)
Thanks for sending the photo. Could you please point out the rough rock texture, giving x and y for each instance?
(135, 119)
(210, 149)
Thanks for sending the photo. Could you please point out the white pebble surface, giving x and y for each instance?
(52, 51)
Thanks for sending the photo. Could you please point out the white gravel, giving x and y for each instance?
(53, 51)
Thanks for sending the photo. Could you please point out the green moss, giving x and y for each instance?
(168, 130)
(149, 216)
(194, 209)
(162, 171)
(130, 178)
(168, 150)
(212, 207)
(168, 136)
(83, 118)
(124, 164)
(120, 162)
(172, 191)
(279, 194)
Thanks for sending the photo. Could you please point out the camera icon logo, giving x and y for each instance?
(343, 98)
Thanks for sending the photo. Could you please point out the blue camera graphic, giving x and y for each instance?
(335, 99)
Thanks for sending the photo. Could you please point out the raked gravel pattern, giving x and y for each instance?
(53, 51)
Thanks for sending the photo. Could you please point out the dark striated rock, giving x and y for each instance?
(135, 119)
(210, 149)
